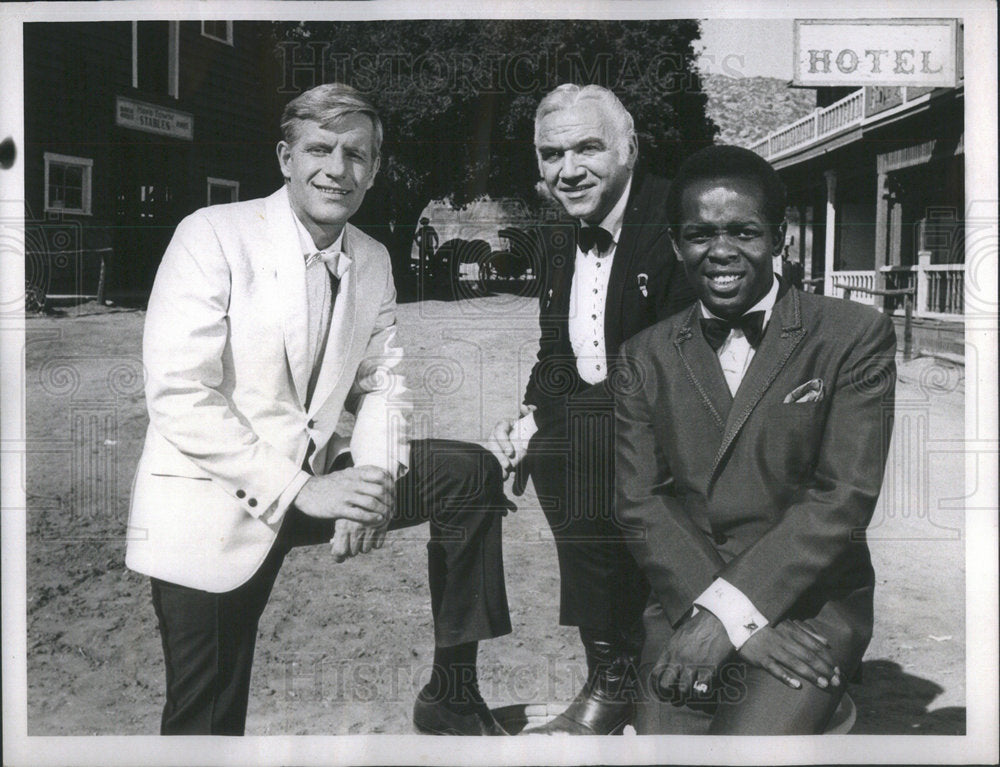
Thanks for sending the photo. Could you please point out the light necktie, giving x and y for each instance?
(336, 261)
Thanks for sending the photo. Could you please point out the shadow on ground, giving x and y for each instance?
(892, 702)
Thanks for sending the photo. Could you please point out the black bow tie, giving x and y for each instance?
(594, 235)
(716, 331)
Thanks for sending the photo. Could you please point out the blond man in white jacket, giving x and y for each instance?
(268, 318)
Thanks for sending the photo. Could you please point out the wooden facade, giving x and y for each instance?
(130, 126)
(877, 200)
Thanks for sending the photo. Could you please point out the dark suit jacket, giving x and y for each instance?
(643, 253)
(773, 496)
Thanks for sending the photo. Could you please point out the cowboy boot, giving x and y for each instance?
(607, 701)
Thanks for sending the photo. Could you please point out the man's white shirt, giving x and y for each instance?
(319, 310)
(587, 300)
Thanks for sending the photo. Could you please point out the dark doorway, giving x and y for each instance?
(150, 202)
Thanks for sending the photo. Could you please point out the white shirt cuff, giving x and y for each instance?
(524, 429)
(276, 513)
(736, 613)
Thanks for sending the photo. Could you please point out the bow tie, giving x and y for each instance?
(594, 235)
(716, 331)
(336, 261)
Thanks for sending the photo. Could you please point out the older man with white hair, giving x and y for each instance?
(616, 277)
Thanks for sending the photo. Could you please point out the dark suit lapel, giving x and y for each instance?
(621, 267)
(562, 264)
(784, 333)
(702, 368)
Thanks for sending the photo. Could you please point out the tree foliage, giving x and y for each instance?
(458, 98)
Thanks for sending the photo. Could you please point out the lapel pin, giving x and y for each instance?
(643, 279)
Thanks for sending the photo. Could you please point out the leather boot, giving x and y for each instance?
(607, 701)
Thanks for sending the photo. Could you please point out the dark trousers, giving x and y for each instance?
(602, 589)
(208, 639)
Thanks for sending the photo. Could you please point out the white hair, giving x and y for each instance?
(569, 94)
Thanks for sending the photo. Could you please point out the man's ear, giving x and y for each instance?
(673, 244)
(779, 238)
(631, 151)
(375, 167)
(677, 251)
(284, 152)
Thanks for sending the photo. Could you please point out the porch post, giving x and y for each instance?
(881, 230)
(920, 300)
(831, 219)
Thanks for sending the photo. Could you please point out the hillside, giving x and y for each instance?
(747, 109)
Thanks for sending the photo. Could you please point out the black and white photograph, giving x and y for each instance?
(382, 376)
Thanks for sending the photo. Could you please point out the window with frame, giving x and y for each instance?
(156, 57)
(222, 31)
(222, 191)
(67, 184)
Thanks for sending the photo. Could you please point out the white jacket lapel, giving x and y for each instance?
(290, 276)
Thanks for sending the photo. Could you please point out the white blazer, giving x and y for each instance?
(224, 349)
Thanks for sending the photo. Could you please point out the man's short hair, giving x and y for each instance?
(326, 104)
(568, 94)
(722, 161)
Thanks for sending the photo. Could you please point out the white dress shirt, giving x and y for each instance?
(319, 309)
(737, 614)
(736, 352)
(588, 298)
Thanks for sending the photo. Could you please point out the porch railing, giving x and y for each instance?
(905, 295)
(861, 281)
(939, 289)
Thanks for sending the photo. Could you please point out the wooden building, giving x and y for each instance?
(130, 126)
(876, 188)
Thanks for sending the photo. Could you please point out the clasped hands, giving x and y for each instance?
(360, 499)
(696, 652)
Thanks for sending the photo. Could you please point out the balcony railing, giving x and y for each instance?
(847, 112)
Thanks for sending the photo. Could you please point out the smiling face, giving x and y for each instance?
(328, 171)
(726, 244)
(583, 163)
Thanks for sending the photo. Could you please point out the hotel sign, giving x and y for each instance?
(889, 52)
(151, 118)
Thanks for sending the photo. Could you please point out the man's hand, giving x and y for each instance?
(500, 442)
(351, 538)
(790, 652)
(362, 494)
(692, 658)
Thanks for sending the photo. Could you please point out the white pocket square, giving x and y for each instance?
(810, 391)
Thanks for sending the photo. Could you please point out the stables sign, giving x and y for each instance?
(150, 118)
(891, 52)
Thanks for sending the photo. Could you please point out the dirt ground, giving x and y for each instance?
(344, 648)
